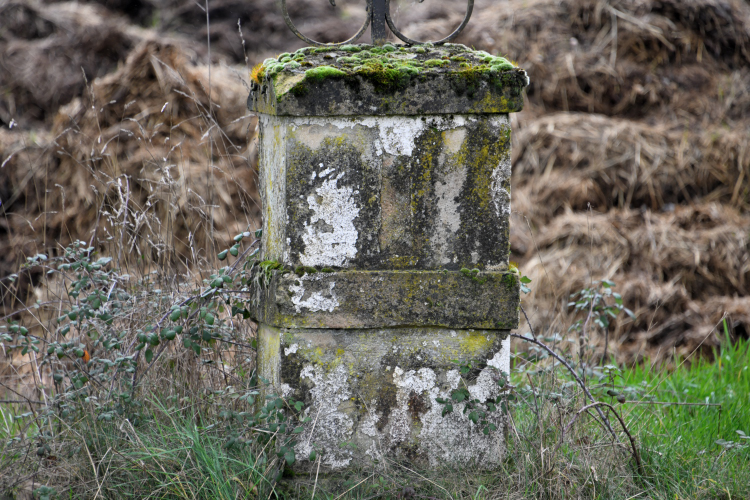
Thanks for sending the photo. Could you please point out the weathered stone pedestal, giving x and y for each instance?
(385, 180)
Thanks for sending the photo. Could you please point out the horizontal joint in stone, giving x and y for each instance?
(377, 299)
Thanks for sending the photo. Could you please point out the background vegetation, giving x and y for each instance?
(127, 155)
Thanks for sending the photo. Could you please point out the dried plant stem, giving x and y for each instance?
(570, 369)
(596, 404)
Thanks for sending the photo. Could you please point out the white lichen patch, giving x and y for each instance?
(332, 426)
(396, 134)
(452, 438)
(334, 242)
(448, 196)
(292, 349)
(315, 301)
(501, 196)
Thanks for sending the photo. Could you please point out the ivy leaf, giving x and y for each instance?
(474, 417)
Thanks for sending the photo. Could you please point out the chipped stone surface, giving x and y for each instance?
(306, 300)
(367, 389)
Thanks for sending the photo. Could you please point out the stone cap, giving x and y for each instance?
(390, 80)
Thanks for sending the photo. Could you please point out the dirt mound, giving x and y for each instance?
(579, 160)
(632, 58)
(147, 157)
(263, 28)
(679, 271)
(47, 51)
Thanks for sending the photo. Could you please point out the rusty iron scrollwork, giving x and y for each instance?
(378, 17)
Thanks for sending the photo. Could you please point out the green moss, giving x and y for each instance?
(322, 73)
(299, 90)
(302, 270)
(387, 77)
(510, 281)
(432, 63)
(350, 48)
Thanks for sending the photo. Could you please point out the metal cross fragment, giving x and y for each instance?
(378, 16)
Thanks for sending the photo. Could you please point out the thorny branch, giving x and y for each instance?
(571, 370)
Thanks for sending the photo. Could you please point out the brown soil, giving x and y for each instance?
(631, 159)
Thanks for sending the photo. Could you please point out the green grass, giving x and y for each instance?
(693, 451)
(172, 455)
(178, 448)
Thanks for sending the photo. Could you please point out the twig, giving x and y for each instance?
(671, 403)
(316, 480)
(350, 489)
(531, 328)
(636, 454)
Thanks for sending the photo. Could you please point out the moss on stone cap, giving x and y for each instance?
(293, 83)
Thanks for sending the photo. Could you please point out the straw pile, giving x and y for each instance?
(632, 162)
(157, 154)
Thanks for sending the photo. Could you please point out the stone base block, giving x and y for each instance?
(372, 394)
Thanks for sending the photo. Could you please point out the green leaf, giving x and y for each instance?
(459, 395)
(289, 457)
(223, 255)
(447, 409)
(175, 315)
(149, 355)
(313, 455)
(525, 280)
(474, 417)
(209, 319)
(299, 405)
(234, 251)
(298, 430)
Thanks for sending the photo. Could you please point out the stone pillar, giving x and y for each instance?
(385, 183)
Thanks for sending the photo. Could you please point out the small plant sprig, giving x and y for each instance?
(478, 411)
(600, 303)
